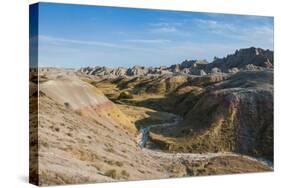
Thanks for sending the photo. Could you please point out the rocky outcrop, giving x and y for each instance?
(235, 114)
(137, 71)
(243, 59)
(215, 70)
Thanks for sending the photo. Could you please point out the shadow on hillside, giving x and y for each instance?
(155, 118)
(176, 104)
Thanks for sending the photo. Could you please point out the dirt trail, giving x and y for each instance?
(144, 135)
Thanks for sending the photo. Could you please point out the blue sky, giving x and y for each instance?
(80, 35)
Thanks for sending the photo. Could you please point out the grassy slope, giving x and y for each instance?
(234, 115)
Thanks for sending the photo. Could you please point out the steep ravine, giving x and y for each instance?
(187, 136)
(143, 137)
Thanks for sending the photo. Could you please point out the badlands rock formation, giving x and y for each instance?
(232, 115)
(90, 120)
(249, 58)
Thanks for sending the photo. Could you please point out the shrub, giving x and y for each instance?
(111, 173)
(125, 174)
(125, 95)
(118, 163)
(67, 105)
(69, 134)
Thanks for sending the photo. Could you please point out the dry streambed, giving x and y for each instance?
(143, 137)
(146, 118)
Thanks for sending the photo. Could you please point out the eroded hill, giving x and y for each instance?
(231, 112)
(232, 115)
(244, 59)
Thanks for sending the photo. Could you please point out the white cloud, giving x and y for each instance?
(65, 44)
(58, 40)
(259, 35)
(208, 23)
(164, 29)
(254, 35)
(214, 25)
(148, 41)
(166, 24)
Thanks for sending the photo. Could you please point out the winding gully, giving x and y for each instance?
(143, 137)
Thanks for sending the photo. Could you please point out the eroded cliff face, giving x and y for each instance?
(243, 59)
(232, 115)
(248, 56)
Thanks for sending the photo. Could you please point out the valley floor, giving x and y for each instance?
(207, 163)
(165, 119)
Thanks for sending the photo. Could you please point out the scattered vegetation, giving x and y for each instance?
(69, 134)
(125, 174)
(67, 105)
(111, 173)
(125, 95)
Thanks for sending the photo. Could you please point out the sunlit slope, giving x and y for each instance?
(85, 99)
(84, 137)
